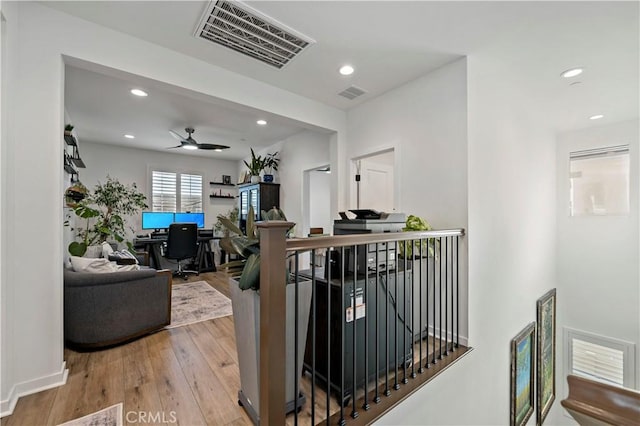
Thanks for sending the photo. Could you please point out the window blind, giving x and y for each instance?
(163, 186)
(190, 193)
(597, 362)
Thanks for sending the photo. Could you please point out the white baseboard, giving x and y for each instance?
(463, 340)
(32, 386)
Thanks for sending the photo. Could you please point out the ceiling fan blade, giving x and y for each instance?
(211, 146)
(176, 135)
(172, 147)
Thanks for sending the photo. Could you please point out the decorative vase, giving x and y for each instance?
(255, 179)
(246, 317)
(267, 178)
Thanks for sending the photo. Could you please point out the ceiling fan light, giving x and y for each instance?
(217, 150)
(189, 147)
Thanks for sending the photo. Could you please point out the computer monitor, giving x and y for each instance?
(190, 217)
(156, 220)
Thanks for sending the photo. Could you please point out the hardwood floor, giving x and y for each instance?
(189, 373)
(185, 375)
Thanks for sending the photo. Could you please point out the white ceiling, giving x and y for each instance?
(392, 42)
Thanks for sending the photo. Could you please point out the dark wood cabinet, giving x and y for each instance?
(262, 196)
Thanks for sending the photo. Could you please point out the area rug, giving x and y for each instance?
(195, 302)
(110, 416)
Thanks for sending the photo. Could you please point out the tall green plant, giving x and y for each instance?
(256, 165)
(105, 210)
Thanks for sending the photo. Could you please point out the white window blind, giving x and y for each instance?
(190, 193)
(598, 362)
(163, 197)
(173, 192)
(602, 358)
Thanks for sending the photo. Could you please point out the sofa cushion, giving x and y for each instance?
(80, 279)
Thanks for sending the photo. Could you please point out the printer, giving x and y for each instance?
(374, 257)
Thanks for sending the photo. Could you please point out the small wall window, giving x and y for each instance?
(599, 181)
(600, 358)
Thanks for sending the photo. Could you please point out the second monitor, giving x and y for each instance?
(190, 217)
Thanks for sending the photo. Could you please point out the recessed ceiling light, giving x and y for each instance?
(596, 117)
(139, 92)
(572, 72)
(129, 136)
(261, 122)
(189, 147)
(346, 70)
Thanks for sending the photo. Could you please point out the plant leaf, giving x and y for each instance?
(250, 278)
(77, 249)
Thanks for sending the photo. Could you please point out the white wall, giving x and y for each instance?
(320, 215)
(598, 256)
(511, 234)
(43, 37)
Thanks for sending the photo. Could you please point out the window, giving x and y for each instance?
(600, 181)
(600, 358)
(173, 192)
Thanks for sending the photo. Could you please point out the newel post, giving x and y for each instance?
(272, 321)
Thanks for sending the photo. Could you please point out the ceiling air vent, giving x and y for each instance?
(239, 27)
(352, 92)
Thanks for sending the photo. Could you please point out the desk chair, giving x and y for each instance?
(182, 244)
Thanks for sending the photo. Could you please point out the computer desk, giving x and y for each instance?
(204, 260)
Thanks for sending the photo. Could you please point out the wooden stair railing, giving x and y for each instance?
(595, 403)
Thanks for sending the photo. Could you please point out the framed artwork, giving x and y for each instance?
(226, 179)
(522, 368)
(546, 355)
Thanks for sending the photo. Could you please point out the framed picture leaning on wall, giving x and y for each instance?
(522, 368)
(546, 355)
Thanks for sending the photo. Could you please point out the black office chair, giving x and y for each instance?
(182, 244)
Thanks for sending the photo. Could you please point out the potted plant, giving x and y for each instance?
(105, 211)
(67, 129)
(256, 166)
(271, 164)
(244, 285)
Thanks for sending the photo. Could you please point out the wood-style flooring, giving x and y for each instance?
(185, 375)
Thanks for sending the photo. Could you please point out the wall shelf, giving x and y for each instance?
(229, 197)
(222, 184)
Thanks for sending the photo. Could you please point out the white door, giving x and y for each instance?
(376, 186)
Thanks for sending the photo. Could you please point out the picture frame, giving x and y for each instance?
(545, 354)
(226, 179)
(522, 375)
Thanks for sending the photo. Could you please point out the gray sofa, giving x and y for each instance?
(106, 309)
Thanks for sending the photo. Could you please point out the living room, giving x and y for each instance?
(478, 126)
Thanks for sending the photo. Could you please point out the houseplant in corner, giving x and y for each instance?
(271, 164)
(256, 166)
(105, 210)
(245, 298)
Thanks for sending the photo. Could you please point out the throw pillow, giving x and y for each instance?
(106, 250)
(88, 264)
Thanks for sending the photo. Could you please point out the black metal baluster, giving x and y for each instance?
(365, 404)
(435, 276)
(296, 379)
(421, 325)
(342, 336)
(376, 399)
(426, 313)
(327, 265)
(354, 307)
(409, 249)
(440, 300)
(457, 294)
(446, 296)
(404, 317)
(387, 392)
(313, 337)
(396, 385)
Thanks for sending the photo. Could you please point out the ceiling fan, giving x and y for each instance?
(190, 143)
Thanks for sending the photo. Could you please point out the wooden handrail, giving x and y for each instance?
(358, 239)
(589, 399)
